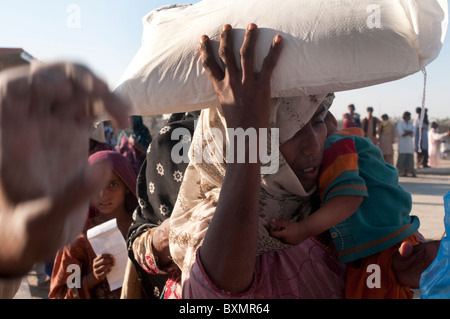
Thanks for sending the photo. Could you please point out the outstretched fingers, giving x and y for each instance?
(271, 59)
(244, 92)
(248, 51)
(226, 52)
(230, 69)
(210, 65)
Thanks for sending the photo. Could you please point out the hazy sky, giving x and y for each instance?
(108, 34)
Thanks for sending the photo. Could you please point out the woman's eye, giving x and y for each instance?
(319, 122)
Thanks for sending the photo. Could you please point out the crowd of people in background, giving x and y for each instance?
(132, 142)
(419, 141)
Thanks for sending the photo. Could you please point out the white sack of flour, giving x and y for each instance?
(329, 46)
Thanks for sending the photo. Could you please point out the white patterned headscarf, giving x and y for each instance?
(282, 195)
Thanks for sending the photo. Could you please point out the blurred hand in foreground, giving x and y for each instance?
(45, 181)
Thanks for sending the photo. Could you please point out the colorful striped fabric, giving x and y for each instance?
(352, 165)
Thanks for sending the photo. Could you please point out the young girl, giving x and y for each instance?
(116, 200)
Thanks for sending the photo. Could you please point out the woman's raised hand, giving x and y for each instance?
(243, 93)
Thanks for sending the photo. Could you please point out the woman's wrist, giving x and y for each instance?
(160, 248)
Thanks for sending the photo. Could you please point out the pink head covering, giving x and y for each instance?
(122, 167)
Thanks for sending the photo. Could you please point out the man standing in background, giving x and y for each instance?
(369, 125)
(405, 132)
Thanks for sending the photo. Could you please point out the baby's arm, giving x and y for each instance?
(334, 211)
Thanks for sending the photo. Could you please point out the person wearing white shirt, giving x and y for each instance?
(405, 161)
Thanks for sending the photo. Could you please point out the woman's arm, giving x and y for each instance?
(228, 252)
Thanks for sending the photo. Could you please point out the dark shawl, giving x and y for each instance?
(149, 214)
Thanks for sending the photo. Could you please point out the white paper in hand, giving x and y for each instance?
(107, 239)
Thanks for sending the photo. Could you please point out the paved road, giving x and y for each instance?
(35, 285)
(427, 191)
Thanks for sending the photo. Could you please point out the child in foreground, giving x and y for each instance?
(363, 207)
(116, 200)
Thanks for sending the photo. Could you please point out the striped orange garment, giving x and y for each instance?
(338, 158)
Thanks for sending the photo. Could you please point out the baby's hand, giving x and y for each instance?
(288, 232)
(277, 225)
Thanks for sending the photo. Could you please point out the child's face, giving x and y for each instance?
(112, 198)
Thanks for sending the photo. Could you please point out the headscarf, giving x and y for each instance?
(122, 167)
(282, 195)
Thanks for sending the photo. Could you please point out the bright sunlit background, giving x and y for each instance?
(105, 35)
